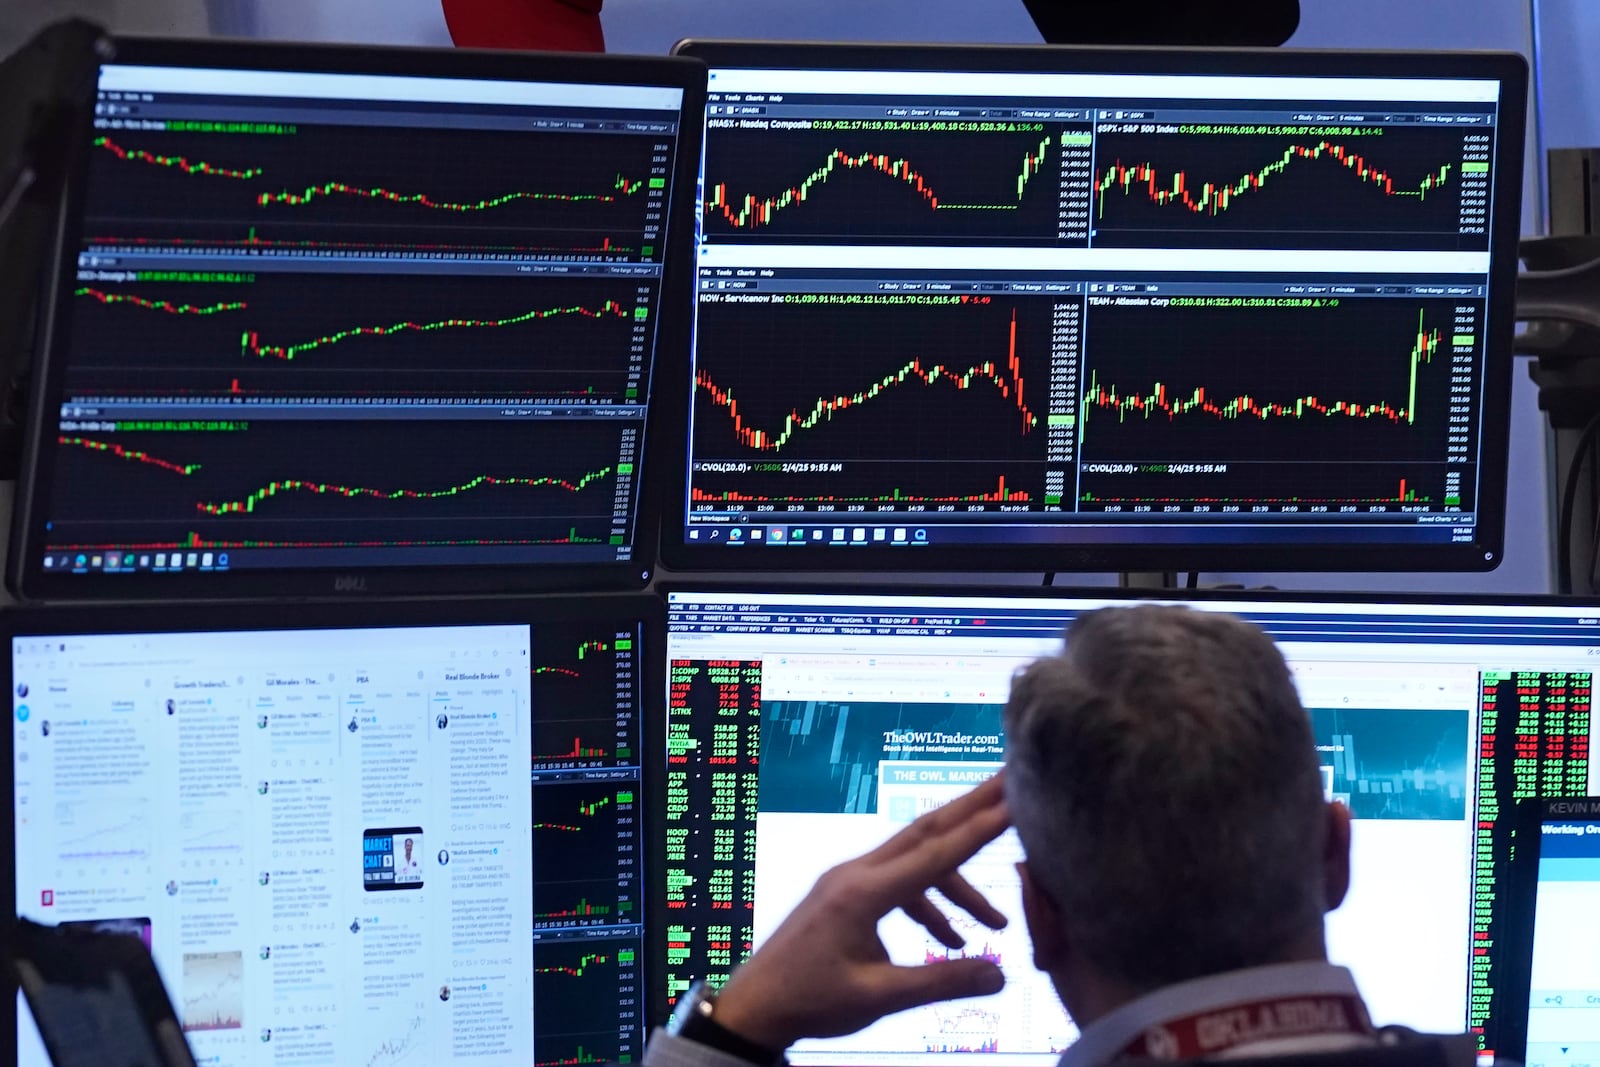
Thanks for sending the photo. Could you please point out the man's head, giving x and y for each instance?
(408, 849)
(1162, 775)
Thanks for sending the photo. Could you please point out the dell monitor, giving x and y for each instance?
(334, 320)
(1042, 309)
(803, 728)
(348, 835)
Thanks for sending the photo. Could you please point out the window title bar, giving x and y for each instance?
(1139, 86)
(309, 85)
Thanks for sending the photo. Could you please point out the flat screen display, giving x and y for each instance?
(373, 844)
(993, 308)
(316, 318)
(808, 727)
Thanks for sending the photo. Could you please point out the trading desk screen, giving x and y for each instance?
(1135, 318)
(355, 321)
(803, 729)
(1563, 986)
(348, 846)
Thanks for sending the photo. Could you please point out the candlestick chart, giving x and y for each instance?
(1397, 187)
(304, 335)
(586, 700)
(587, 992)
(1358, 402)
(933, 399)
(373, 189)
(308, 484)
(279, 334)
(587, 830)
(849, 186)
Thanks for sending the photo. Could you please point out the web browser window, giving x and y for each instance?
(810, 727)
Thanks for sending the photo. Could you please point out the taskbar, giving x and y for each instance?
(898, 533)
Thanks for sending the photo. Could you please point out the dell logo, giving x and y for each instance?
(349, 583)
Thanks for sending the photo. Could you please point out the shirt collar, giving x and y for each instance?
(1107, 1036)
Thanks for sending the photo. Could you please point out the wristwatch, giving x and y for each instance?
(695, 1018)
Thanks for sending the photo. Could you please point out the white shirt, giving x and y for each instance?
(1105, 1038)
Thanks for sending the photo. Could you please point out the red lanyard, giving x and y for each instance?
(1210, 1032)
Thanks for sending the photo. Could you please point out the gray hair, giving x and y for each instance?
(1163, 778)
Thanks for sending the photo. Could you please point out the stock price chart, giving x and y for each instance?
(587, 842)
(371, 189)
(870, 400)
(578, 987)
(1324, 405)
(301, 484)
(585, 697)
(281, 334)
(845, 181)
(1406, 187)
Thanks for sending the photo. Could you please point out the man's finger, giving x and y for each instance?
(940, 820)
(898, 988)
(933, 858)
(926, 912)
(964, 895)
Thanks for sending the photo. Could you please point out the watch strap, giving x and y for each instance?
(695, 1020)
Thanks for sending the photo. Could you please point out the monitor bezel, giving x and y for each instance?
(29, 581)
(1106, 553)
(535, 612)
(752, 588)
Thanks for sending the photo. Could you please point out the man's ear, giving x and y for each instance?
(1335, 856)
(1044, 922)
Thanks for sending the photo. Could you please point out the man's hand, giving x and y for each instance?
(825, 972)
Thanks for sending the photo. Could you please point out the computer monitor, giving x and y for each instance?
(1040, 309)
(805, 727)
(332, 320)
(1549, 994)
(349, 835)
